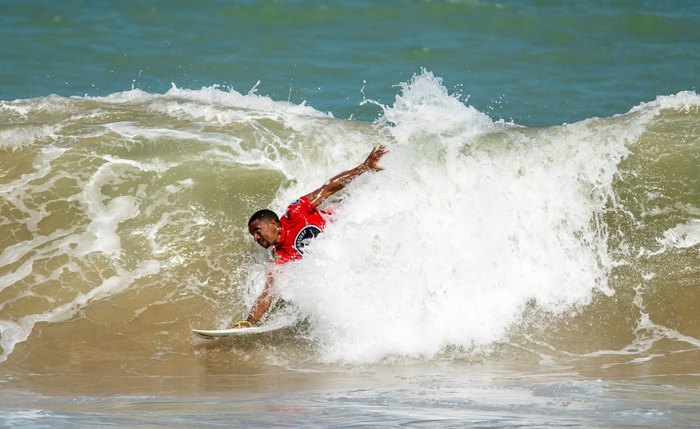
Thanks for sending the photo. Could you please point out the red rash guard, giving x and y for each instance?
(300, 223)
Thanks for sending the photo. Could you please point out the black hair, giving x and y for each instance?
(264, 215)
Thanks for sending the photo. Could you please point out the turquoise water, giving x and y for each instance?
(536, 62)
(528, 257)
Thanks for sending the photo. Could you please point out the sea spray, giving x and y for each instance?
(469, 223)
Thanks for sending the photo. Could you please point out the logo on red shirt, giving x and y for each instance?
(304, 237)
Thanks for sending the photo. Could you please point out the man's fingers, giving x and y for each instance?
(242, 324)
(374, 156)
(378, 152)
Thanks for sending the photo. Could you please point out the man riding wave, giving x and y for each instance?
(302, 221)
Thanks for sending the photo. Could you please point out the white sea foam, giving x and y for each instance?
(213, 96)
(101, 234)
(682, 101)
(682, 236)
(450, 243)
(132, 131)
(213, 104)
(18, 137)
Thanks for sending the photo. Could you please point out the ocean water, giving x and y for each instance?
(528, 257)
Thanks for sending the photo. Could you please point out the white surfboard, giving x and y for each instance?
(231, 332)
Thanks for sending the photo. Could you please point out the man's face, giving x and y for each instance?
(265, 233)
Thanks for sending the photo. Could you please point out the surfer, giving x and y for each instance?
(303, 221)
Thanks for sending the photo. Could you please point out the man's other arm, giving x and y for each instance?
(338, 182)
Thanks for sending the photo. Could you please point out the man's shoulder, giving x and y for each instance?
(301, 205)
(301, 201)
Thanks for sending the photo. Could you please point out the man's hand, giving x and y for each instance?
(372, 161)
(242, 324)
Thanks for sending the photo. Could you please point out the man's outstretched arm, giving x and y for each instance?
(263, 302)
(338, 182)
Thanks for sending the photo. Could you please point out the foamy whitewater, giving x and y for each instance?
(481, 240)
(471, 221)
